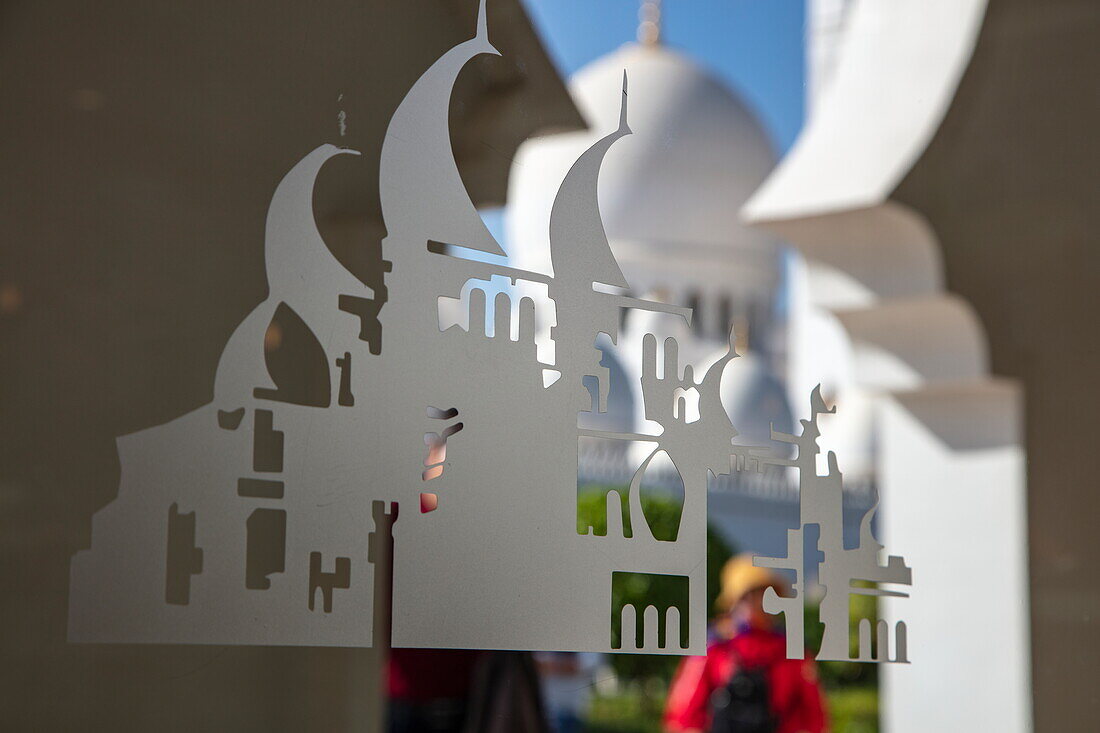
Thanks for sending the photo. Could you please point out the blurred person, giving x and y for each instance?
(566, 680)
(745, 683)
(429, 690)
(462, 691)
(505, 696)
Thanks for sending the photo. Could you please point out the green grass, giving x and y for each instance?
(851, 710)
(630, 711)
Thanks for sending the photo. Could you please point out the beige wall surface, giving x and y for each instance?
(1010, 184)
(140, 143)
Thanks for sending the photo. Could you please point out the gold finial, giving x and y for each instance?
(649, 27)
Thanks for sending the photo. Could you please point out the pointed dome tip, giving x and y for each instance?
(483, 28)
(623, 127)
(732, 341)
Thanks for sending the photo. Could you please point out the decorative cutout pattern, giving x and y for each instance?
(661, 627)
(840, 568)
(496, 546)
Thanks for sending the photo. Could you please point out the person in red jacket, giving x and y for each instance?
(746, 661)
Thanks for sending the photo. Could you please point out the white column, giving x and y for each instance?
(952, 478)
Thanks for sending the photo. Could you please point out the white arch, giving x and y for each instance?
(908, 363)
(899, 66)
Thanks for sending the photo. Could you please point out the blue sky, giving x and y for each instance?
(755, 46)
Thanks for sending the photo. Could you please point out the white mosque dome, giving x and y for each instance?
(755, 401)
(676, 184)
(669, 197)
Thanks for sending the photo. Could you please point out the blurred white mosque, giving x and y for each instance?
(670, 197)
(828, 278)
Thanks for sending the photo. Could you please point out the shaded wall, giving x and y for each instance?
(1010, 185)
(140, 143)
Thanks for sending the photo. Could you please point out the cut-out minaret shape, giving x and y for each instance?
(418, 164)
(581, 257)
(578, 242)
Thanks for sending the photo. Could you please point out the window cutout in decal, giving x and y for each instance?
(326, 583)
(266, 548)
(183, 559)
(297, 364)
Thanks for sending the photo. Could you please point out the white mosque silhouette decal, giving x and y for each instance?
(258, 518)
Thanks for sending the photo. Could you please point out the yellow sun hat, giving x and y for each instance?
(739, 576)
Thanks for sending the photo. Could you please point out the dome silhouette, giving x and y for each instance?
(696, 154)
